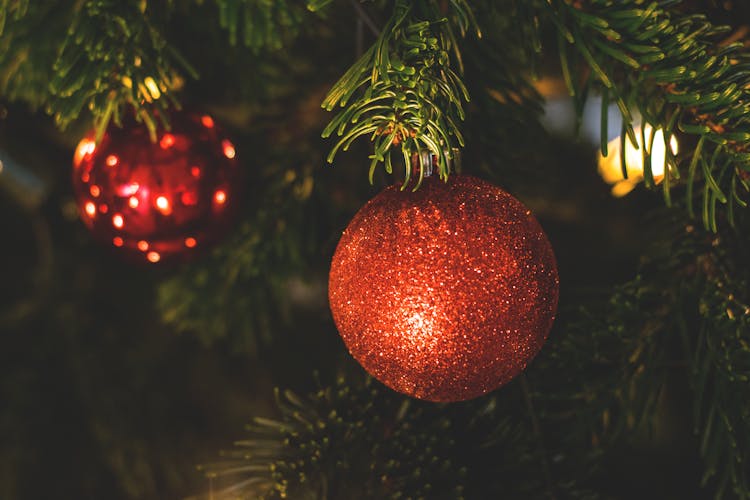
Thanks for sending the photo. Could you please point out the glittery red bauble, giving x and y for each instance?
(157, 201)
(445, 293)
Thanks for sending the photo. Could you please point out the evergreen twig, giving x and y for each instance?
(672, 67)
(403, 91)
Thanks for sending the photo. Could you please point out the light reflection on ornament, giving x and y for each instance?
(220, 197)
(167, 141)
(207, 121)
(228, 148)
(128, 189)
(610, 166)
(159, 198)
(162, 203)
(84, 148)
(189, 198)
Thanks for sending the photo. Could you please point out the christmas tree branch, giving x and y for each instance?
(113, 56)
(334, 444)
(29, 36)
(673, 68)
(403, 91)
(688, 307)
(265, 24)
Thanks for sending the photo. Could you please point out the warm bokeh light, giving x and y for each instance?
(117, 241)
(195, 172)
(133, 202)
(189, 198)
(143, 245)
(128, 189)
(90, 209)
(610, 167)
(228, 148)
(152, 87)
(103, 208)
(85, 147)
(220, 197)
(112, 160)
(118, 221)
(95, 191)
(207, 121)
(153, 257)
(162, 203)
(167, 141)
(190, 242)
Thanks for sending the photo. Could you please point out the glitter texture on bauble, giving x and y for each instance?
(446, 293)
(158, 201)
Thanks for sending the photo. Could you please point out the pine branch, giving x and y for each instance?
(240, 292)
(28, 48)
(674, 69)
(721, 369)
(346, 441)
(265, 23)
(403, 91)
(112, 57)
(691, 292)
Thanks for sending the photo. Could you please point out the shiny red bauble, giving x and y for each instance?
(157, 201)
(445, 293)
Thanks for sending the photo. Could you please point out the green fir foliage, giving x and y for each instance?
(682, 73)
(605, 379)
(403, 92)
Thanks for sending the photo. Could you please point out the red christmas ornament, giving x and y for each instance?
(157, 201)
(446, 293)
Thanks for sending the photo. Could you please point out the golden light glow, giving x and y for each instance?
(84, 148)
(152, 87)
(207, 121)
(133, 202)
(111, 160)
(167, 141)
(153, 257)
(190, 242)
(90, 209)
(118, 221)
(228, 148)
(117, 241)
(610, 167)
(143, 245)
(95, 191)
(220, 197)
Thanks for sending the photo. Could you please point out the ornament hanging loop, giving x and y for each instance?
(425, 163)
